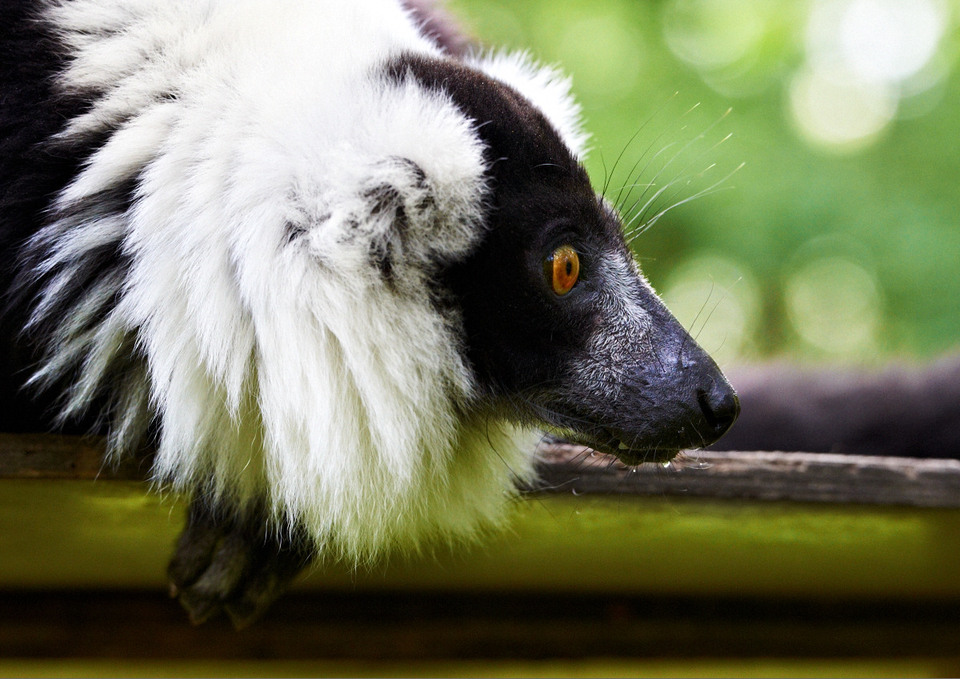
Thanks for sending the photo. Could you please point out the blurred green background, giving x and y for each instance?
(839, 237)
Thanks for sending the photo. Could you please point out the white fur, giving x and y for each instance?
(284, 367)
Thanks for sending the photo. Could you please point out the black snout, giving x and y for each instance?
(696, 406)
(693, 404)
(719, 407)
(689, 407)
(672, 404)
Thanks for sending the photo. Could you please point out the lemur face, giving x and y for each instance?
(560, 326)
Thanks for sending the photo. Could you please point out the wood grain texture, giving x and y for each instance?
(52, 456)
(760, 475)
(565, 468)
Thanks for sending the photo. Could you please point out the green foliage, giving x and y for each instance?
(839, 238)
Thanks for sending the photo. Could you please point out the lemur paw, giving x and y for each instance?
(234, 565)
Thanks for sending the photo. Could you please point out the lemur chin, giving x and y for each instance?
(332, 272)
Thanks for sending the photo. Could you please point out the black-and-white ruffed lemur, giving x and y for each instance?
(332, 269)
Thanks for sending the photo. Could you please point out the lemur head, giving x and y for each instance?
(560, 325)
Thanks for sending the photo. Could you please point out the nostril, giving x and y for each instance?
(720, 407)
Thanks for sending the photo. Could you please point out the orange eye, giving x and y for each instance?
(562, 268)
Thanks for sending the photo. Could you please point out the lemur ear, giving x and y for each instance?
(400, 193)
(418, 214)
(397, 223)
(414, 189)
(401, 213)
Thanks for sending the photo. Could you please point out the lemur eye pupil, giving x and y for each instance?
(562, 269)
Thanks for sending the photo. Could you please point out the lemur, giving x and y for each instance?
(332, 269)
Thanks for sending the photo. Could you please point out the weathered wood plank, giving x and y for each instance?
(760, 475)
(565, 468)
(52, 456)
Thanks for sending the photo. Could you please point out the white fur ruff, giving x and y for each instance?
(281, 368)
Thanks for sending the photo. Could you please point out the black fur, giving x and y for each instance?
(535, 181)
(388, 201)
(34, 167)
(32, 172)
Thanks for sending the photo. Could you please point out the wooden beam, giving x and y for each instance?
(52, 456)
(565, 468)
(759, 475)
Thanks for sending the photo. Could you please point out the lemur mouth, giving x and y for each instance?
(634, 457)
(609, 443)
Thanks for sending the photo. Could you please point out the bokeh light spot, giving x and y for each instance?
(834, 304)
(863, 57)
(711, 34)
(879, 40)
(833, 110)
